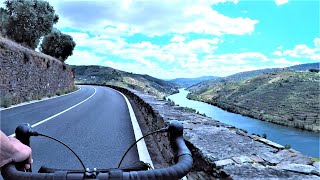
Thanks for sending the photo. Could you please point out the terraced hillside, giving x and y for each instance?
(205, 85)
(107, 75)
(284, 97)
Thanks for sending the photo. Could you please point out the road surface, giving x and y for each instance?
(93, 121)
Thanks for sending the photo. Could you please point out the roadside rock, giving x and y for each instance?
(225, 162)
(317, 165)
(242, 159)
(300, 168)
(273, 144)
(271, 158)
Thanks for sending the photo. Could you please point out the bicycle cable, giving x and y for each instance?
(38, 134)
(162, 130)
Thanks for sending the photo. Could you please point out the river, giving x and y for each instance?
(306, 142)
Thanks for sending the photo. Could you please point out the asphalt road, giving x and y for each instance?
(99, 130)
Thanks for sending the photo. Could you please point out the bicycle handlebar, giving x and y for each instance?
(182, 167)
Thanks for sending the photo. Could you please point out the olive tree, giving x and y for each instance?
(3, 21)
(29, 20)
(58, 45)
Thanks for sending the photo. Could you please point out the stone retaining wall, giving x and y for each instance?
(222, 151)
(27, 75)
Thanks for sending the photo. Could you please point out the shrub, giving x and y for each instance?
(245, 131)
(287, 146)
(314, 70)
(29, 20)
(6, 101)
(58, 45)
(264, 135)
(59, 93)
(190, 110)
(4, 15)
(171, 103)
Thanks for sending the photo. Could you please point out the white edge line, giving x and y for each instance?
(141, 145)
(36, 101)
(51, 117)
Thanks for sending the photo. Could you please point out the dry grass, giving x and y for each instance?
(13, 46)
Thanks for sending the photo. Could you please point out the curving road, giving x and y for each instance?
(94, 122)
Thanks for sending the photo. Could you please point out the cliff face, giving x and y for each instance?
(26, 75)
(285, 97)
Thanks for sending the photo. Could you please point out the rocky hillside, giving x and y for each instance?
(187, 82)
(206, 85)
(107, 75)
(284, 97)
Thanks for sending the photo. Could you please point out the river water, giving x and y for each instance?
(304, 141)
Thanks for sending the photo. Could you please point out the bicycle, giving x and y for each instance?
(182, 157)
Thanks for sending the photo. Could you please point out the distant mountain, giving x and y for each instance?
(206, 85)
(187, 82)
(107, 75)
(286, 97)
(304, 67)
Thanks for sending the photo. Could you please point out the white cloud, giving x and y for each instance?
(277, 53)
(151, 18)
(236, 58)
(148, 58)
(84, 58)
(183, 57)
(301, 51)
(177, 38)
(208, 21)
(179, 58)
(281, 2)
(282, 62)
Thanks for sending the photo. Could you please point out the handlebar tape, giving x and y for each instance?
(23, 135)
(174, 172)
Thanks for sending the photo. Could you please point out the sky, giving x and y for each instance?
(190, 38)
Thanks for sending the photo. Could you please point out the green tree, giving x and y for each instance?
(3, 21)
(264, 135)
(58, 45)
(29, 20)
(314, 70)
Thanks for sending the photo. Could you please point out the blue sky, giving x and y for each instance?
(169, 39)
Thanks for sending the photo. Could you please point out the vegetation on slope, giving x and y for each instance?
(107, 75)
(206, 85)
(284, 97)
(187, 82)
(28, 21)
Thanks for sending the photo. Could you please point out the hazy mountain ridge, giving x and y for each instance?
(187, 82)
(285, 97)
(204, 86)
(107, 75)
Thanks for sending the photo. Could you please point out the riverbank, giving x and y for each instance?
(304, 141)
(286, 98)
(244, 111)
